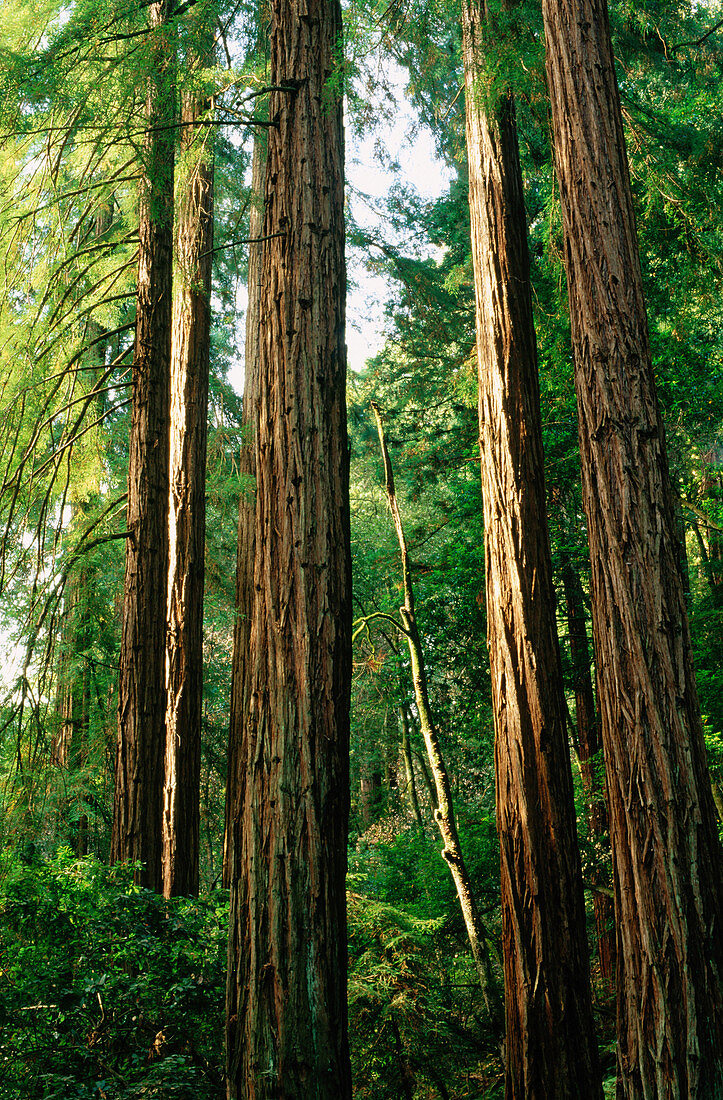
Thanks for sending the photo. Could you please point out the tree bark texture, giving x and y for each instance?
(551, 1049)
(187, 517)
(247, 506)
(286, 1003)
(591, 765)
(440, 786)
(666, 854)
(138, 804)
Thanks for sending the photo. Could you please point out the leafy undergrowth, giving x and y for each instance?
(417, 1022)
(106, 990)
(109, 992)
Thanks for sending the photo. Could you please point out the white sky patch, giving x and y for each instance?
(410, 148)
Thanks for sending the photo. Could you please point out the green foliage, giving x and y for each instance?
(416, 1014)
(107, 991)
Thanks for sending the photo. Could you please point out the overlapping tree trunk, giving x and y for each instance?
(589, 745)
(551, 1049)
(138, 804)
(666, 853)
(247, 506)
(187, 520)
(286, 1002)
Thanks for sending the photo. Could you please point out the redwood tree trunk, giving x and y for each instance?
(187, 521)
(247, 507)
(551, 1050)
(286, 1002)
(138, 805)
(666, 854)
(591, 763)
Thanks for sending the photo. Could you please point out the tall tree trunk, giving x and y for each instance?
(441, 790)
(286, 999)
(551, 1049)
(370, 789)
(247, 507)
(590, 755)
(187, 520)
(70, 746)
(666, 853)
(138, 803)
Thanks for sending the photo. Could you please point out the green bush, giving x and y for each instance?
(107, 991)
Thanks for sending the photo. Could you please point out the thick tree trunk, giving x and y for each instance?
(286, 1003)
(138, 805)
(666, 854)
(440, 787)
(187, 519)
(591, 764)
(247, 509)
(551, 1049)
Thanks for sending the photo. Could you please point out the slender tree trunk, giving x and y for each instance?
(711, 494)
(666, 853)
(718, 800)
(551, 1049)
(70, 746)
(370, 791)
(187, 520)
(682, 550)
(409, 767)
(590, 755)
(286, 1001)
(138, 804)
(247, 508)
(442, 789)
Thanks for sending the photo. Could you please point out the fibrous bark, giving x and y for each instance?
(187, 519)
(550, 1047)
(247, 506)
(286, 1002)
(666, 855)
(138, 804)
(589, 748)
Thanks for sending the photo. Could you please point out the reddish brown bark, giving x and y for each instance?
(247, 504)
(286, 1000)
(138, 804)
(550, 1046)
(667, 862)
(187, 520)
(589, 743)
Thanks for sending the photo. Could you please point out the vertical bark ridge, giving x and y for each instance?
(138, 801)
(551, 1051)
(286, 1007)
(190, 358)
(247, 504)
(590, 754)
(666, 853)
